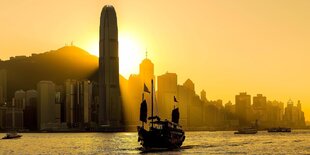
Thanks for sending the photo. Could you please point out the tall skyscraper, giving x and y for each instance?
(259, 101)
(70, 101)
(293, 116)
(203, 96)
(166, 91)
(46, 104)
(20, 99)
(110, 111)
(78, 103)
(30, 112)
(260, 108)
(243, 107)
(146, 72)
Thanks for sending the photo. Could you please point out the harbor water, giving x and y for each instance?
(219, 142)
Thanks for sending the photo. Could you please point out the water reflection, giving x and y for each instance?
(126, 143)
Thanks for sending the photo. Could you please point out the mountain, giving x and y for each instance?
(56, 65)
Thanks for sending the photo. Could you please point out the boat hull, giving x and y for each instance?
(156, 138)
(12, 137)
(246, 131)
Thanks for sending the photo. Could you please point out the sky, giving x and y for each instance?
(223, 46)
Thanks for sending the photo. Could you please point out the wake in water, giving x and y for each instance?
(162, 150)
(157, 150)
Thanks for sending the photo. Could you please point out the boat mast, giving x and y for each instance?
(152, 102)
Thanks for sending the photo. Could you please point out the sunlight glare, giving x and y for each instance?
(93, 48)
(130, 55)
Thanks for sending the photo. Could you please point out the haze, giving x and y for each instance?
(224, 46)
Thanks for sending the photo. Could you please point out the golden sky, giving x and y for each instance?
(224, 46)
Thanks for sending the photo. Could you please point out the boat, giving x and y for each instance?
(12, 135)
(162, 134)
(248, 130)
(279, 129)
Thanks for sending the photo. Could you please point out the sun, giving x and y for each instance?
(131, 53)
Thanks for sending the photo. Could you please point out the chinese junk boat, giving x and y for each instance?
(162, 134)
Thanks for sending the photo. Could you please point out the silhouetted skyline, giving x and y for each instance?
(225, 47)
(197, 111)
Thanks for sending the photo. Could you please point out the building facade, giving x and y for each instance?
(166, 90)
(243, 108)
(30, 110)
(46, 105)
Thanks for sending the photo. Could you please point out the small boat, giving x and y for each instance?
(279, 129)
(249, 130)
(12, 135)
(162, 134)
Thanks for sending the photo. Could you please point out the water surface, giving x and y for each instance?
(222, 142)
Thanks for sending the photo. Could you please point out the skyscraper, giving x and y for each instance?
(109, 93)
(78, 102)
(146, 72)
(166, 91)
(20, 99)
(46, 105)
(243, 105)
(260, 108)
(30, 112)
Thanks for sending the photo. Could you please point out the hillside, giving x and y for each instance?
(57, 66)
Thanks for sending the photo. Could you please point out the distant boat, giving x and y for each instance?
(12, 135)
(279, 129)
(161, 134)
(248, 130)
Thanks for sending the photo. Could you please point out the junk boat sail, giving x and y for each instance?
(162, 133)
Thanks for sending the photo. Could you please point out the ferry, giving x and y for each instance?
(279, 129)
(249, 130)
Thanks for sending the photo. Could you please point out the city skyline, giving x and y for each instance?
(162, 77)
(72, 104)
(265, 51)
